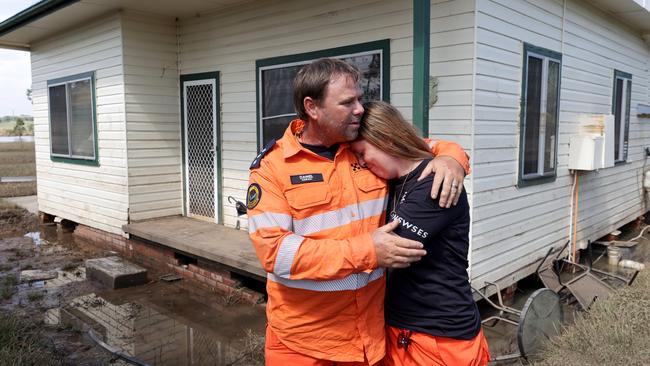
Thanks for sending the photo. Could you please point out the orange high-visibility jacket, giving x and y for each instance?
(310, 220)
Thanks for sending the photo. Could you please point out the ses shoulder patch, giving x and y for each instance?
(253, 196)
(258, 159)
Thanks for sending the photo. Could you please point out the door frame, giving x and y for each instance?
(217, 141)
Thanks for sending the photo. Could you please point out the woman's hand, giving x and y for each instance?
(449, 174)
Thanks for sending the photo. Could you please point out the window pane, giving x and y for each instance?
(551, 116)
(81, 119)
(370, 68)
(533, 95)
(273, 128)
(58, 120)
(617, 118)
(278, 90)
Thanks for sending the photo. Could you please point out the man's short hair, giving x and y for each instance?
(312, 81)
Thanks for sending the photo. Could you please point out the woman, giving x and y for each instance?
(431, 317)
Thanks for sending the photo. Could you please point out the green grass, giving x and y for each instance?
(17, 189)
(614, 332)
(22, 342)
(5, 267)
(17, 159)
(35, 296)
(7, 286)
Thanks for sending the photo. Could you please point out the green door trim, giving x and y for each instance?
(421, 55)
(219, 182)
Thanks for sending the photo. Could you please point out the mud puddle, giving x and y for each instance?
(160, 323)
(166, 324)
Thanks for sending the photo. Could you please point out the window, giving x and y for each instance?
(539, 115)
(275, 78)
(72, 118)
(621, 111)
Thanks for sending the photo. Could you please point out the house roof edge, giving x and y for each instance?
(34, 12)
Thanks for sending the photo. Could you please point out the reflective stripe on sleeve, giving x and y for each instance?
(340, 217)
(352, 282)
(268, 220)
(286, 253)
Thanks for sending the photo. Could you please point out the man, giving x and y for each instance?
(314, 219)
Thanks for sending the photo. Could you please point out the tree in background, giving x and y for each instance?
(19, 128)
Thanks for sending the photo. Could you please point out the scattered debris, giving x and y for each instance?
(538, 321)
(627, 263)
(585, 283)
(116, 352)
(32, 275)
(170, 277)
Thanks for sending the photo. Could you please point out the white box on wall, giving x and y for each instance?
(586, 152)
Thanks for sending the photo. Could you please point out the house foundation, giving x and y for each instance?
(161, 260)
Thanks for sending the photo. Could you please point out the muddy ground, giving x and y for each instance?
(175, 323)
(22, 305)
(48, 322)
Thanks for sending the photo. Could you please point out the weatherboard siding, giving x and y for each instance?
(152, 107)
(92, 195)
(513, 227)
(231, 41)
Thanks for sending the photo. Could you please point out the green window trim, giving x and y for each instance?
(383, 46)
(620, 157)
(61, 158)
(546, 56)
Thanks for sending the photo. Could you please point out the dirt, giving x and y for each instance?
(29, 301)
(16, 221)
(161, 323)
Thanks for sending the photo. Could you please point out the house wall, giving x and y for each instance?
(231, 41)
(91, 195)
(152, 107)
(451, 63)
(513, 227)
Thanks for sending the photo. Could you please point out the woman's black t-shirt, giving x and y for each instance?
(432, 295)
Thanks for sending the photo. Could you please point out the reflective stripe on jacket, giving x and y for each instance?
(312, 236)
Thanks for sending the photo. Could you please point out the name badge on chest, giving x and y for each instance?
(306, 178)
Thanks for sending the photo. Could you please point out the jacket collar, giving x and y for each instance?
(291, 145)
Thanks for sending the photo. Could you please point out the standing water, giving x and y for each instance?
(160, 323)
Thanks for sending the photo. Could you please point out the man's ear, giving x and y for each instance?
(311, 107)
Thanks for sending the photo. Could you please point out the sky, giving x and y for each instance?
(15, 77)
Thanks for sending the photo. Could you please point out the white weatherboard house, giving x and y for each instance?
(146, 109)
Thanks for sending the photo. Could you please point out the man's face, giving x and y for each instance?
(340, 111)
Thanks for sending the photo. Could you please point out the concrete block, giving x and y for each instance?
(31, 275)
(114, 272)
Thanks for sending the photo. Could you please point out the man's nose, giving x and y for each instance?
(358, 109)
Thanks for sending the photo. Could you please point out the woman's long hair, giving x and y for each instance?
(383, 126)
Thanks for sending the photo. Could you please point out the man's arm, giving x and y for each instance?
(450, 164)
(286, 254)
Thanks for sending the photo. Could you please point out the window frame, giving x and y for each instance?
(75, 159)
(624, 142)
(381, 46)
(546, 56)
